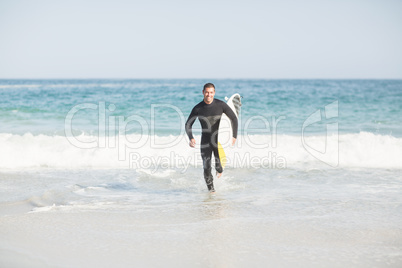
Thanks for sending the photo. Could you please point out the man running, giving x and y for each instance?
(209, 113)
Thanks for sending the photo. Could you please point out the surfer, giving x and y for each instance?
(209, 112)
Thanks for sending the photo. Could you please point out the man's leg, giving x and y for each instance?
(206, 154)
(218, 165)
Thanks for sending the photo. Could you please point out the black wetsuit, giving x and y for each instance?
(210, 117)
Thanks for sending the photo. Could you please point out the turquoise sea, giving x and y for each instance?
(40, 106)
(99, 173)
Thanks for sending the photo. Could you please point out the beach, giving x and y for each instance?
(99, 173)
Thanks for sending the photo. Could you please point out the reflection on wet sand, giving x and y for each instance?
(220, 230)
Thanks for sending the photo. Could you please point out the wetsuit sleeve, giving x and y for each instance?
(190, 122)
(233, 118)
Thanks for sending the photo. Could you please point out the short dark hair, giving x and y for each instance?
(208, 85)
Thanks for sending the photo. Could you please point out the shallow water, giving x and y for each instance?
(287, 218)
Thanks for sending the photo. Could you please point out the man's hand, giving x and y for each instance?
(192, 143)
(233, 141)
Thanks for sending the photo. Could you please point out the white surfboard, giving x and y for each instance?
(225, 133)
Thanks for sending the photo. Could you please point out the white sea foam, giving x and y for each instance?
(256, 151)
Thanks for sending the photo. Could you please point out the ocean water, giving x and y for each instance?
(99, 173)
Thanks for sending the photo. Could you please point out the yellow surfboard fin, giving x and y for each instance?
(222, 155)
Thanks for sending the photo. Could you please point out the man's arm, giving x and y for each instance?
(233, 119)
(189, 126)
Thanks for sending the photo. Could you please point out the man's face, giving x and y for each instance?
(209, 94)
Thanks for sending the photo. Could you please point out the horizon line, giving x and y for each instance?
(156, 78)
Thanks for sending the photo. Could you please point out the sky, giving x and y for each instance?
(340, 39)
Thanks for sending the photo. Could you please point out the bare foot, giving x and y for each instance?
(218, 175)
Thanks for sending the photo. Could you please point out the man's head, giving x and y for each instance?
(209, 93)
